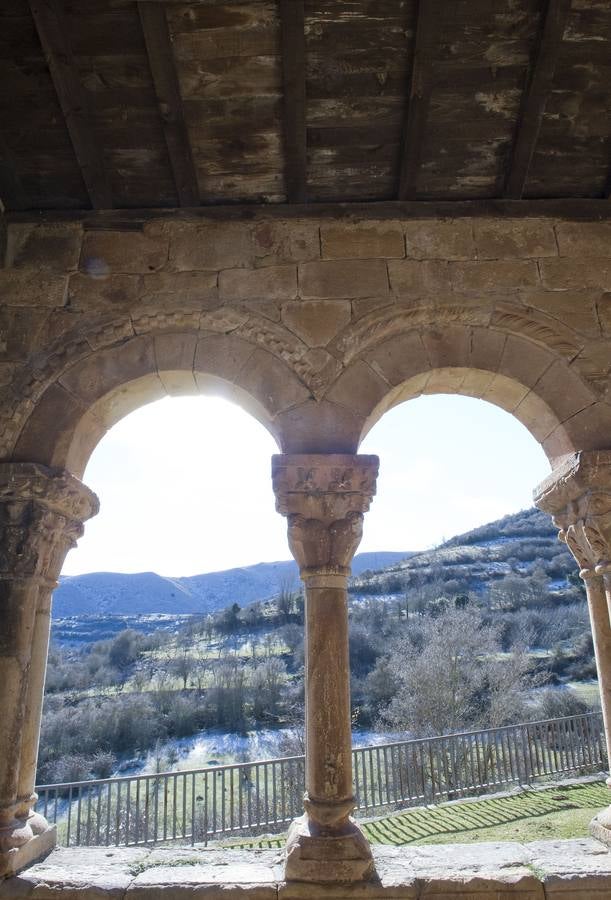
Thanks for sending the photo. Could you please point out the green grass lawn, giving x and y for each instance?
(555, 812)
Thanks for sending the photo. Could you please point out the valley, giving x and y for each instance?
(155, 690)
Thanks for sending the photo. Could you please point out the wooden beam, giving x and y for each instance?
(72, 99)
(571, 209)
(294, 81)
(418, 103)
(535, 96)
(12, 194)
(169, 100)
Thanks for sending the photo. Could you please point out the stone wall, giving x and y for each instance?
(315, 326)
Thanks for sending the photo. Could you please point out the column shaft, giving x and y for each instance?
(327, 687)
(33, 707)
(578, 496)
(601, 635)
(18, 611)
(41, 515)
(324, 499)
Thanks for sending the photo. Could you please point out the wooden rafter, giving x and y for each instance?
(535, 96)
(167, 90)
(418, 104)
(72, 99)
(293, 76)
(12, 194)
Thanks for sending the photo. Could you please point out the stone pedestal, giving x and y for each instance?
(578, 496)
(41, 516)
(324, 498)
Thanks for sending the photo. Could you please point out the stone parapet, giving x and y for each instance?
(543, 870)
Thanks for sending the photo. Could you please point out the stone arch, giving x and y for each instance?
(86, 398)
(529, 378)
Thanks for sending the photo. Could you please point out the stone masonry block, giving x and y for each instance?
(514, 238)
(272, 383)
(320, 427)
(524, 361)
(175, 288)
(222, 355)
(446, 239)
(216, 245)
(587, 239)
(110, 252)
(346, 279)
(496, 276)
(359, 388)
(271, 283)
(604, 313)
(316, 321)
(30, 287)
(486, 349)
(371, 240)
(563, 391)
(285, 242)
(107, 369)
(575, 309)
(399, 358)
(89, 293)
(417, 278)
(576, 274)
(50, 247)
(447, 346)
(588, 429)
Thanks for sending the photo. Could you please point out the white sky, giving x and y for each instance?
(185, 486)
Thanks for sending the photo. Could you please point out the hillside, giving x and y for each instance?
(519, 545)
(145, 593)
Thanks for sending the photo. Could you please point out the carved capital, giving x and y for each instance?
(42, 512)
(578, 497)
(324, 497)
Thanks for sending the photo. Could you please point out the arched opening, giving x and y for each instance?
(77, 408)
(484, 630)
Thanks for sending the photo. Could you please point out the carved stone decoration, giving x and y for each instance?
(578, 496)
(324, 498)
(41, 517)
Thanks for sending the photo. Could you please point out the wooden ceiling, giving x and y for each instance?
(121, 104)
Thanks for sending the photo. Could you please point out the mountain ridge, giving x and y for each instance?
(146, 593)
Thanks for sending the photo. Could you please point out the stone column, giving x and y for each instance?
(324, 498)
(41, 516)
(578, 496)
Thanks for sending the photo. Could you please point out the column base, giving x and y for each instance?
(600, 826)
(312, 855)
(39, 846)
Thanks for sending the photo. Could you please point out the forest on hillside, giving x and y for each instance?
(489, 629)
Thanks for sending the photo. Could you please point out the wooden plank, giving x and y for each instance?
(535, 96)
(418, 102)
(73, 100)
(169, 100)
(294, 115)
(12, 193)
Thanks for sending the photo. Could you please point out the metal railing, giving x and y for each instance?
(205, 804)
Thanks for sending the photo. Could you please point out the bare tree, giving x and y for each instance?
(450, 674)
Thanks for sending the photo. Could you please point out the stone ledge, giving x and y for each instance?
(566, 870)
